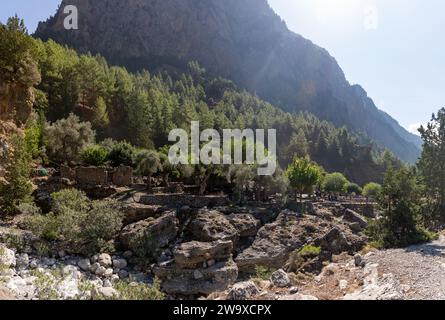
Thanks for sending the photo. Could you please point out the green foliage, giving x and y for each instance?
(140, 291)
(353, 188)
(303, 175)
(401, 201)
(102, 223)
(15, 45)
(335, 182)
(46, 285)
(263, 273)
(83, 226)
(94, 156)
(148, 163)
(299, 257)
(121, 154)
(431, 164)
(309, 251)
(67, 137)
(372, 190)
(16, 188)
(34, 137)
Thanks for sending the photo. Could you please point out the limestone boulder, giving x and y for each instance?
(246, 224)
(194, 254)
(160, 232)
(203, 281)
(211, 225)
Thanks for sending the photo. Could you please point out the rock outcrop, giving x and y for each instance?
(199, 268)
(210, 225)
(159, 232)
(276, 241)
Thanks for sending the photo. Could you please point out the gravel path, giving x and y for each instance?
(416, 272)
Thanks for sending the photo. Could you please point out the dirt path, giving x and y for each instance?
(417, 272)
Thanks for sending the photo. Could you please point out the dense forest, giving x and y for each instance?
(142, 108)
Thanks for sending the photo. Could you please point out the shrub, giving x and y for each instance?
(401, 201)
(121, 154)
(335, 182)
(372, 190)
(303, 175)
(353, 188)
(309, 251)
(67, 137)
(263, 273)
(140, 291)
(16, 187)
(94, 156)
(101, 224)
(82, 225)
(299, 257)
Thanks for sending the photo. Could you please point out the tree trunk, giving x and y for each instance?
(149, 186)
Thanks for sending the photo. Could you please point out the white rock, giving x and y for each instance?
(293, 290)
(94, 267)
(343, 285)
(22, 261)
(68, 289)
(7, 257)
(108, 273)
(107, 284)
(114, 278)
(100, 271)
(104, 260)
(243, 291)
(280, 279)
(106, 293)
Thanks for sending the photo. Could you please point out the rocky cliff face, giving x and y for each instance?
(243, 40)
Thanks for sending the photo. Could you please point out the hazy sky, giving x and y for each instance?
(393, 48)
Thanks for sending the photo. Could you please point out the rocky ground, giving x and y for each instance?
(225, 252)
(29, 277)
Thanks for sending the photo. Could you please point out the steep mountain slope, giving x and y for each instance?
(243, 40)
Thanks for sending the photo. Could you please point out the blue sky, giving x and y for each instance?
(393, 48)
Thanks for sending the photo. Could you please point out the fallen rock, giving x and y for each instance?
(243, 291)
(104, 260)
(354, 217)
(343, 285)
(299, 297)
(334, 242)
(105, 292)
(158, 231)
(212, 226)
(135, 212)
(119, 263)
(193, 254)
(183, 281)
(280, 279)
(7, 257)
(358, 261)
(246, 224)
(276, 241)
(84, 264)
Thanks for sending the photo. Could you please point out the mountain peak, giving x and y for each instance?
(242, 40)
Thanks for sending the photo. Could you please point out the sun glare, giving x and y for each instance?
(336, 11)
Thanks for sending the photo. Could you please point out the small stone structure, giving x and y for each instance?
(91, 175)
(121, 176)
